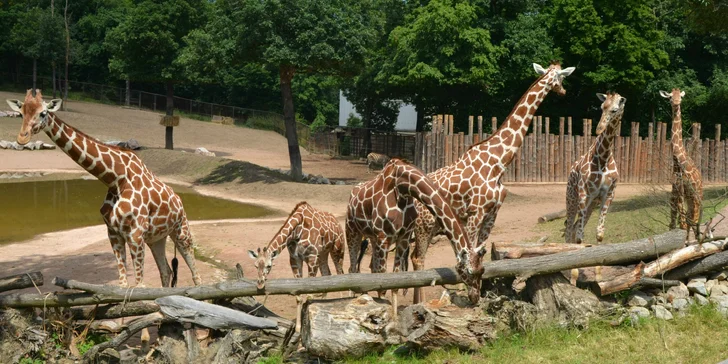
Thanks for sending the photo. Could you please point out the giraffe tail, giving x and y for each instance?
(175, 266)
(362, 250)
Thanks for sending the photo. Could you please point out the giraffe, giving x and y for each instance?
(687, 182)
(594, 176)
(382, 210)
(376, 159)
(310, 235)
(472, 185)
(138, 208)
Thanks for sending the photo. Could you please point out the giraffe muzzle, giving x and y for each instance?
(23, 137)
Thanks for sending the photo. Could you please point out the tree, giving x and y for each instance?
(292, 37)
(146, 44)
(37, 34)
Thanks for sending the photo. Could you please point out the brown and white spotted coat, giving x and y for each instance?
(382, 210)
(311, 236)
(472, 185)
(138, 208)
(376, 160)
(593, 177)
(686, 201)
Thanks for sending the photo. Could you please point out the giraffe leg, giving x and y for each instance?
(160, 257)
(135, 241)
(572, 207)
(296, 263)
(674, 206)
(423, 236)
(606, 202)
(354, 245)
(182, 238)
(119, 248)
(584, 204)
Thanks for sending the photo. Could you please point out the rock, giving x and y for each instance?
(205, 152)
(680, 304)
(108, 356)
(720, 301)
(637, 312)
(699, 279)
(719, 290)
(697, 286)
(700, 299)
(720, 276)
(680, 291)
(132, 144)
(710, 284)
(324, 181)
(661, 312)
(4, 144)
(639, 298)
(340, 183)
(339, 328)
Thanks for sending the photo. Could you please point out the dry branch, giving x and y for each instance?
(710, 263)
(681, 256)
(507, 250)
(184, 309)
(552, 216)
(113, 311)
(20, 281)
(522, 269)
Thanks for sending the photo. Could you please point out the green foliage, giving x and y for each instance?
(353, 121)
(90, 341)
(319, 124)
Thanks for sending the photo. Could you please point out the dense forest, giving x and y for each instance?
(443, 56)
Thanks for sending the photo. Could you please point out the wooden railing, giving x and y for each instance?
(545, 157)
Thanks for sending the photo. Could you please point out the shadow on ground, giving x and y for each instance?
(241, 172)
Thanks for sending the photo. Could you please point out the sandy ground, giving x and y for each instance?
(85, 255)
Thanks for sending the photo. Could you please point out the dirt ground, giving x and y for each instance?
(84, 254)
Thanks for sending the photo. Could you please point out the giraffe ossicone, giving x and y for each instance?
(593, 177)
(138, 209)
(473, 184)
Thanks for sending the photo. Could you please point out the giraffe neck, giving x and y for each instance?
(678, 149)
(604, 141)
(94, 156)
(286, 233)
(506, 141)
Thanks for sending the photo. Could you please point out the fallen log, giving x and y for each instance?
(698, 267)
(508, 250)
(184, 309)
(552, 216)
(20, 281)
(522, 269)
(125, 333)
(114, 311)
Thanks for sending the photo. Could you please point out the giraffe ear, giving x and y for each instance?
(602, 97)
(540, 70)
(682, 93)
(567, 71)
(664, 94)
(481, 250)
(54, 105)
(274, 254)
(253, 254)
(16, 105)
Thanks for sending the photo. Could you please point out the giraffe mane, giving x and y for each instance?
(289, 216)
(513, 111)
(81, 133)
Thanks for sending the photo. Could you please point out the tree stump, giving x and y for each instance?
(557, 300)
(334, 329)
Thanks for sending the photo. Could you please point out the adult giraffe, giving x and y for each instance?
(687, 181)
(594, 176)
(138, 208)
(473, 184)
(383, 211)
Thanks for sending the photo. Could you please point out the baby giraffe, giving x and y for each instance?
(594, 176)
(310, 235)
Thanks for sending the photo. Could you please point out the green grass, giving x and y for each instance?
(638, 217)
(694, 338)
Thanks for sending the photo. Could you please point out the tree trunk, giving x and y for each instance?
(68, 52)
(25, 280)
(127, 98)
(552, 216)
(35, 68)
(710, 263)
(420, 126)
(169, 137)
(289, 117)
(53, 78)
(506, 250)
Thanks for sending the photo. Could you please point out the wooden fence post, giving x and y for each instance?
(480, 128)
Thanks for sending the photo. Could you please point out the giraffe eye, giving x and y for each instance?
(43, 114)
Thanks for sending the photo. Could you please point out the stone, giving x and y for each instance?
(719, 290)
(108, 356)
(680, 304)
(4, 144)
(710, 284)
(697, 286)
(700, 299)
(324, 181)
(132, 144)
(661, 312)
(680, 291)
(340, 183)
(205, 152)
(639, 312)
(639, 298)
(720, 276)
(720, 301)
(699, 279)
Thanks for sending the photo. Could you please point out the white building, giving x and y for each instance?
(406, 120)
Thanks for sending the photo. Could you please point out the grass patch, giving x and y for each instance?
(638, 217)
(692, 338)
(193, 116)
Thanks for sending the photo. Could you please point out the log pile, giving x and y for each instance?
(525, 285)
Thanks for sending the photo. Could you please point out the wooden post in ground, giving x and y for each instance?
(650, 154)
(493, 125)
(480, 128)
(718, 176)
(470, 138)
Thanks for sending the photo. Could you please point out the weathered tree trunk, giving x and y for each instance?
(35, 69)
(184, 309)
(68, 52)
(620, 282)
(114, 311)
(429, 326)
(710, 263)
(335, 329)
(679, 257)
(509, 250)
(552, 216)
(556, 299)
(53, 77)
(169, 132)
(20, 281)
(127, 96)
(289, 117)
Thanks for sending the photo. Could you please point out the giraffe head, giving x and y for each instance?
(35, 114)
(263, 263)
(675, 96)
(612, 109)
(470, 268)
(554, 76)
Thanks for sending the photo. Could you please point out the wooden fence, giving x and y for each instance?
(545, 157)
(352, 143)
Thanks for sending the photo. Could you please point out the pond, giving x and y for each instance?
(31, 208)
